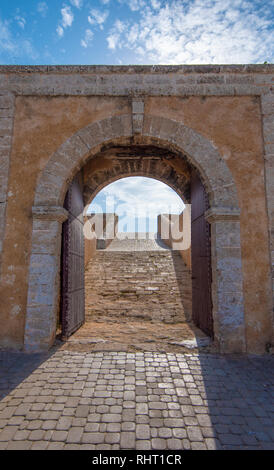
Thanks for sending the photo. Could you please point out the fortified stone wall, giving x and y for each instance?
(223, 115)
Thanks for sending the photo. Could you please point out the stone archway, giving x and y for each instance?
(126, 159)
(48, 215)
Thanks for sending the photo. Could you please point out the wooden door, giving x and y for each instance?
(73, 281)
(200, 257)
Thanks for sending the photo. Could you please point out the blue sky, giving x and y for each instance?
(122, 32)
(136, 31)
(137, 201)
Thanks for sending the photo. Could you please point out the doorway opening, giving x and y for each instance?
(131, 287)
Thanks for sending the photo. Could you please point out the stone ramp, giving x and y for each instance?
(131, 241)
(152, 285)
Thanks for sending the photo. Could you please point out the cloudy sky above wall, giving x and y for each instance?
(136, 31)
(137, 201)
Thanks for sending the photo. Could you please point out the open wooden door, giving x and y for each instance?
(200, 257)
(73, 281)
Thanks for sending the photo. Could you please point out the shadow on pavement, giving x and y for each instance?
(15, 367)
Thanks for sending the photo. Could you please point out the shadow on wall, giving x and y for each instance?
(184, 282)
(175, 231)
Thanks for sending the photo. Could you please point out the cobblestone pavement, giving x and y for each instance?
(143, 400)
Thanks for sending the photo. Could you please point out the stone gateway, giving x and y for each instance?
(165, 122)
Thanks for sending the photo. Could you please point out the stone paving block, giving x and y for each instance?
(190, 421)
(198, 446)
(3, 423)
(8, 412)
(74, 435)
(64, 423)
(21, 435)
(35, 424)
(39, 445)
(59, 436)
(174, 422)
(112, 438)
(36, 435)
(94, 418)
(16, 420)
(179, 433)
(212, 444)
(56, 446)
(93, 438)
(113, 427)
(128, 415)
(82, 411)
(187, 410)
(204, 420)
(127, 440)
(154, 405)
(141, 408)
(194, 433)
(229, 439)
(92, 427)
(143, 445)
(50, 424)
(19, 445)
(158, 444)
(142, 431)
(71, 447)
(111, 418)
(128, 426)
(174, 444)
(8, 433)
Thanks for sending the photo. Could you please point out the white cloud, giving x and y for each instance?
(60, 31)
(21, 21)
(200, 31)
(66, 21)
(42, 8)
(135, 5)
(67, 16)
(115, 34)
(77, 3)
(87, 39)
(97, 17)
(12, 46)
(6, 41)
(155, 4)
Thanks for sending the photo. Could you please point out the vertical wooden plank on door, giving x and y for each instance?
(201, 257)
(73, 281)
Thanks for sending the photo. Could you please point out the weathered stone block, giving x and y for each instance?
(5, 126)
(267, 103)
(6, 101)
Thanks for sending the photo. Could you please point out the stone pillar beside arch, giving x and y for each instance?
(227, 282)
(44, 277)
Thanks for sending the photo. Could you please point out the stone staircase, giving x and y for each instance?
(138, 280)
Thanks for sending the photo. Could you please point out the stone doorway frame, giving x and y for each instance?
(48, 215)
